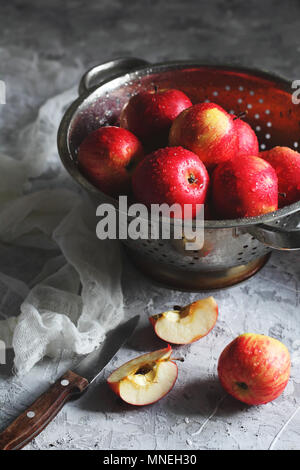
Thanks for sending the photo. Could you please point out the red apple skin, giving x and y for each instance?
(115, 386)
(171, 175)
(286, 163)
(247, 140)
(149, 114)
(107, 158)
(244, 187)
(254, 368)
(152, 321)
(207, 130)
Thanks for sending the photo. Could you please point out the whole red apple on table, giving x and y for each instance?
(254, 368)
(145, 379)
(247, 143)
(108, 157)
(149, 114)
(171, 175)
(286, 163)
(244, 187)
(207, 130)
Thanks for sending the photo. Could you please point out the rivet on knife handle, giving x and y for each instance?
(30, 423)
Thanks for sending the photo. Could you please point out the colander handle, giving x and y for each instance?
(98, 74)
(278, 238)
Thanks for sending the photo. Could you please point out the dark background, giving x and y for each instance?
(261, 33)
(45, 46)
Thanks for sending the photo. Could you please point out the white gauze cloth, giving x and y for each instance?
(76, 297)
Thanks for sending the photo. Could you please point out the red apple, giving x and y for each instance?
(145, 379)
(254, 368)
(247, 140)
(171, 175)
(149, 114)
(207, 130)
(184, 325)
(286, 163)
(108, 157)
(244, 187)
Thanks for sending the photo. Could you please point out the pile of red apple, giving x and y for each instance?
(167, 150)
(253, 368)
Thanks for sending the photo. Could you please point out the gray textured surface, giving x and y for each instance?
(62, 41)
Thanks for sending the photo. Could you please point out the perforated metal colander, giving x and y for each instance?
(233, 249)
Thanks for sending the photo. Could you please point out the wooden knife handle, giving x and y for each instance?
(30, 423)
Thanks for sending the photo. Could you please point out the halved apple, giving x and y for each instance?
(184, 325)
(145, 379)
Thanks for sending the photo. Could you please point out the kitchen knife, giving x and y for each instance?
(30, 423)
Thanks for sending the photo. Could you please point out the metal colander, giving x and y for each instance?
(233, 249)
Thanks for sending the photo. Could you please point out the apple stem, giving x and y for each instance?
(241, 115)
(282, 194)
(180, 359)
(242, 385)
(155, 88)
(192, 179)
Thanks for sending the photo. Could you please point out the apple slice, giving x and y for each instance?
(187, 324)
(145, 379)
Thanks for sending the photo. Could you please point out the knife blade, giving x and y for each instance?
(91, 366)
(37, 416)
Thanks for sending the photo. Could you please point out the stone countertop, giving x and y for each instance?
(62, 41)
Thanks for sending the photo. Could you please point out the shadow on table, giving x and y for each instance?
(198, 397)
(201, 395)
(144, 339)
(99, 398)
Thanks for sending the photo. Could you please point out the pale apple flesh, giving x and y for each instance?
(187, 324)
(145, 379)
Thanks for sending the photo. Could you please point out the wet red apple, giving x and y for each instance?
(108, 157)
(254, 368)
(286, 163)
(247, 141)
(149, 114)
(207, 130)
(244, 187)
(171, 175)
